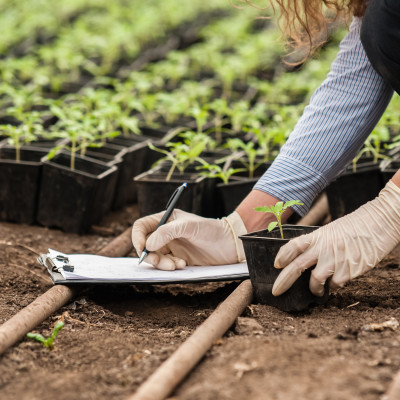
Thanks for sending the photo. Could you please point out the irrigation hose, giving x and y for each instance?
(48, 303)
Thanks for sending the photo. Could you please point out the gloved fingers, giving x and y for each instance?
(292, 272)
(319, 275)
(339, 279)
(176, 229)
(142, 228)
(288, 252)
(179, 263)
(165, 262)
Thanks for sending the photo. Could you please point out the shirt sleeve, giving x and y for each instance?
(342, 113)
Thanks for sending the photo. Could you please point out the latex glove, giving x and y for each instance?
(187, 239)
(345, 248)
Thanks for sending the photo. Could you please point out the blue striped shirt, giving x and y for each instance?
(341, 114)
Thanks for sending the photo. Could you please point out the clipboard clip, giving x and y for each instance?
(67, 266)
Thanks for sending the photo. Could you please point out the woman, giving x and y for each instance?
(341, 114)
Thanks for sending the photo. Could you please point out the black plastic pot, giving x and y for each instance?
(233, 192)
(158, 138)
(134, 162)
(44, 143)
(388, 169)
(108, 153)
(353, 189)
(19, 184)
(154, 191)
(73, 200)
(261, 249)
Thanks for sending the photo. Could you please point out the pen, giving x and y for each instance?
(169, 208)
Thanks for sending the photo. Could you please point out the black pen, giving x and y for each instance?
(169, 208)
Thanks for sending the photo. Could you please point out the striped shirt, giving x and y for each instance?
(341, 114)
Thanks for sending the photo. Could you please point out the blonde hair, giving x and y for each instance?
(304, 23)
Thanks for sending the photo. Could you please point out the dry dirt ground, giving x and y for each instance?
(114, 337)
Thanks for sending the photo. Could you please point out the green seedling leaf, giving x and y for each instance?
(278, 209)
(47, 342)
(291, 203)
(263, 209)
(36, 336)
(53, 152)
(57, 328)
(272, 225)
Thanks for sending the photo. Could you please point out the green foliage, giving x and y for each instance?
(253, 157)
(278, 209)
(183, 153)
(79, 128)
(26, 132)
(217, 171)
(200, 114)
(49, 341)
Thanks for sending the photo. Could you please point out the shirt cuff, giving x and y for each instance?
(288, 179)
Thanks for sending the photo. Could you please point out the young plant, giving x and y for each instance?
(252, 161)
(220, 109)
(49, 341)
(216, 171)
(278, 209)
(170, 106)
(200, 114)
(26, 132)
(373, 147)
(182, 154)
(80, 129)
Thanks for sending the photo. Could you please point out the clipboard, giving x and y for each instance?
(76, 269)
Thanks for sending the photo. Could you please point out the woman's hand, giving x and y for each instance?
(345, 248)
(187, 239)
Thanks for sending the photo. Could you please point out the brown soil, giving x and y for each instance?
(115, 337)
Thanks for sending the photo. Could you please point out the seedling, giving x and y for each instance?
(373, 147)
(183, 154)
(216, 171)
(220, 108)
(80, 129)
(278, 209)
(200, 115)
(47, 342)
(251, 163)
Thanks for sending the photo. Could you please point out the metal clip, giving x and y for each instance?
(66, 266)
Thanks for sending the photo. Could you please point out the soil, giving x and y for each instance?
(115, 337)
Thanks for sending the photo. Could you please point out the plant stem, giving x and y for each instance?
(170, 172)
(17, 152)
(73, 151)
(280, 225)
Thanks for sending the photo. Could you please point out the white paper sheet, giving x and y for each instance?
(93, 267)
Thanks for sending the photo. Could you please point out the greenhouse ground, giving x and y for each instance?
(114, 337)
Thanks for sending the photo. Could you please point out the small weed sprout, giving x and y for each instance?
(47, 342)
(278, 209)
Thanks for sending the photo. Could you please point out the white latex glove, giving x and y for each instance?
(345, 248)
(187, 239)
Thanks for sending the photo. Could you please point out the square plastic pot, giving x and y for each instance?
(19, 184)
(261, 248)
(388, 169)
(154, 191)
(233, 192)
(73, 200)
(135, 149)
(353, 189)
